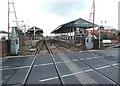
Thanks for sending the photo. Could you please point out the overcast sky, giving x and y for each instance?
(48, 14)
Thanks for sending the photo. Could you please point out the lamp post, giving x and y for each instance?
(101, 28)
(103, 22)
(100, 36)
(18, 22)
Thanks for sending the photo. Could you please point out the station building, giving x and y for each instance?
(74, 32)
(34, 33)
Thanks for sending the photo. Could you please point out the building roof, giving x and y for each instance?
(78, 23)
(36, 29)
(109, 28)
(4, 32)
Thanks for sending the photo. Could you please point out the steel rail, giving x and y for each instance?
(106, 62)
(38, 49)
(57, 70)
(95, 59)
(31, 66)
(94, 68)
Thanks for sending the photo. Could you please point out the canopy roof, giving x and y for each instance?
(36, 29)
(78, 23)
(4, 32)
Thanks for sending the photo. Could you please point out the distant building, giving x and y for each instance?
(34, 33)
(3, 35)
(106, 29)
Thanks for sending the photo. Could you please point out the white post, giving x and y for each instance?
(99, 38)
(70, 34)
(34, 32)
(67, 34)
(73, 34)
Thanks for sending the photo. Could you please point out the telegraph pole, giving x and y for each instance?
(11, 2)
(8, 20)
(93, 16)
(15, 14)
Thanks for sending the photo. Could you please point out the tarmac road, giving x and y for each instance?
(74, 68)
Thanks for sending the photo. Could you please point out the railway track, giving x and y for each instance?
(55, 64)
(32, 64)
(97, 55)
(43, 44)
(46, 45)
(58, 45)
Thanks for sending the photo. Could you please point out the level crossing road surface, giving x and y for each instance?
(95, 67)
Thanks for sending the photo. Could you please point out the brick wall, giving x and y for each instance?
(96, 44)
(4, 48)
(115, 41)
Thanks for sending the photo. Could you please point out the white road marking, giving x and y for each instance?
(107, 78)
(14, 57)
(24, 67)
(78, 72)
(71, 61)
(89, 70)
(102, 67)
(88, 58)
(84, 78)
(47, 64)
(15, 68)
(10, 68)
(114, 64)
(75, 60)
(67, 75)
(43, 64)
(6, 67)
(81, 59)
(67, 61)
(56, 63)
(43, 80)
(95, 57)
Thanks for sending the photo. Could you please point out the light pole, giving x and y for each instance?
(103, 22)
(101, 28)
(18, 23)
(21, 25)
(100, 36)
